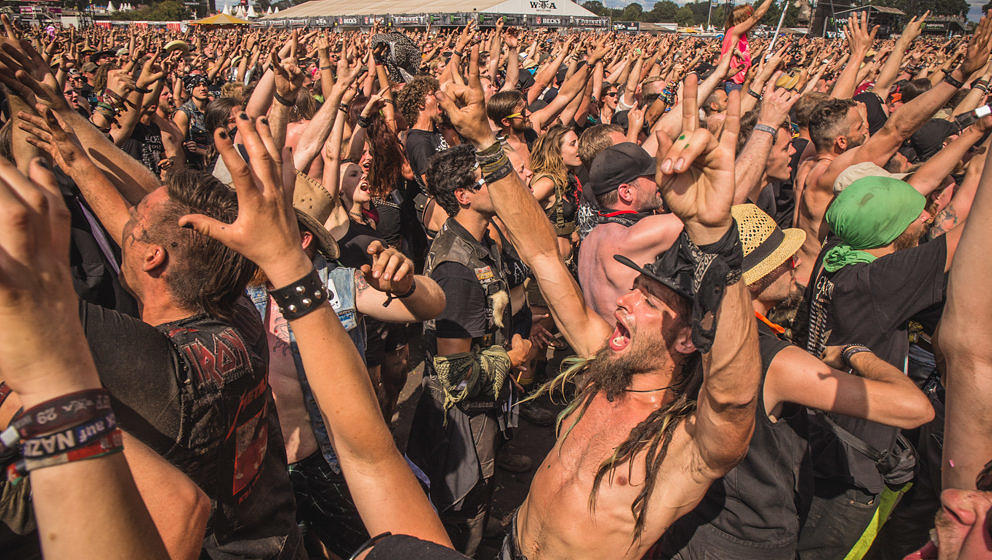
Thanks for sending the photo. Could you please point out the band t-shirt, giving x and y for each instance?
(196, 391)
(872, 305)
(420, 146)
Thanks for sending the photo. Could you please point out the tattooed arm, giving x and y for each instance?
(958, 208)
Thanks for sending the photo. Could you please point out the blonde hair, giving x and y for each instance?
(545, 156)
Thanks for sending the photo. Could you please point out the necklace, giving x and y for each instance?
(645, 390)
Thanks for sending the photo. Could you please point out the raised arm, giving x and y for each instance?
(965, 340)
(46, 358)
(696, 176)
(890, 70)
(385, 491)
(859, 40)
(908, 118)
(932, 173)
(528, 228)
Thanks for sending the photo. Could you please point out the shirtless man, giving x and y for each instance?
(579, 507)
(840, 133)
(622, 179)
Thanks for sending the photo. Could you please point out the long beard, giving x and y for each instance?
(612, 374)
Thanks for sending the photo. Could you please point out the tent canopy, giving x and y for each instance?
(318, 8)
(220, 19)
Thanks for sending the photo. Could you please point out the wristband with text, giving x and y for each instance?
(765, 128)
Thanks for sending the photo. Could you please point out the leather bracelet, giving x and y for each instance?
(491, 150)
(501, 172)
(950, 79)
(282, 99)
(754, 94)
(491, 166)
(300, 297)
(363, 121)
(850, 350)
(65, 441)
(765, 128)
(142, 90)
(390, 297)
(325, 67)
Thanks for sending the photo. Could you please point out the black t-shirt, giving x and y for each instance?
(145, 145)
(196, 392)
(420, 146)
(355, 244)
(464, 314)
(872, 305)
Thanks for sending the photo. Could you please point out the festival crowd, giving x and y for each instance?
(737, 281)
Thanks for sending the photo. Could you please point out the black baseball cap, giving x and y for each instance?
(680, 282)
(619, 164)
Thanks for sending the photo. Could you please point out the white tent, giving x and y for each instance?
(277, 10)
(251, 12)
(111, 8)
(317, 8)
(227, 10)
(269, 11)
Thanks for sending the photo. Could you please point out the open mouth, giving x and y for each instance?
(621, 336)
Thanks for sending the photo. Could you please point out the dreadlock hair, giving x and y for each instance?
(386, 170)
(651, 436)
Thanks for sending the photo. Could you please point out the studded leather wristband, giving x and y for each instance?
(300, 297)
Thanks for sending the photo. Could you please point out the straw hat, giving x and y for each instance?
(766, 246)
(860, 171)
(313, 205)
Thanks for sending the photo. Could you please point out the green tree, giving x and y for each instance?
(684, 16)
(664, 11)
(632, 12)
(596, 7)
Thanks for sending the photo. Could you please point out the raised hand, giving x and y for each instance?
(979, 46)
(36, 292)
(696, 172)
(391, 271)
(776, 104)
(52, 135)
(465, 106)
(288, 77)
(914, 28)
(858, 37)
(266, 230)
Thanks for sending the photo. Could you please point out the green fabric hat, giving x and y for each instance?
(872, 212)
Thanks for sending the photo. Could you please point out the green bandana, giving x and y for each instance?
(872, 212)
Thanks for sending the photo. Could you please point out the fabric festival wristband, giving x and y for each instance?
(765, 128)
(69, 439)
(110, 443)
(300, 297)
(60, 413)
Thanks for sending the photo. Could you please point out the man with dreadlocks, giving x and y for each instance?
(669, 392)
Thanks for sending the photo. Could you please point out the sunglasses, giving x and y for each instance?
(611, 94)
(478, 184)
